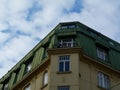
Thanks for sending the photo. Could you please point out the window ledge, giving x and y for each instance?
(105, 62)
(44, 86)
(64, 72)
(102, 88)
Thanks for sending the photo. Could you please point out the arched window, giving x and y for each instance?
(28, 87)
(45, 78)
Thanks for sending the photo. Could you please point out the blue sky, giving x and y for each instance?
(23, 23)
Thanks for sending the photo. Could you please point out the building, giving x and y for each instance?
(71, 57)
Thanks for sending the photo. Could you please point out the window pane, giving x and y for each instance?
(67, 66)
(102, 54)
(61, 66)
(64, 63)
(45, 78)
(28, 67)
(72, 26)
(64, 27)
(63, 88)
(103, 80)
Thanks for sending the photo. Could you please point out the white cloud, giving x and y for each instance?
(36, 18)
(102, 16)
(14, 50)
(3, 38)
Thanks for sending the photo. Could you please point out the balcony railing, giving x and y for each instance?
(65, 45)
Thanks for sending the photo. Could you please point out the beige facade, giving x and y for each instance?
(83, 73)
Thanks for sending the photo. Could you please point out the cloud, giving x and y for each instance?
(23, 23)
(103, 18)
(14, 50)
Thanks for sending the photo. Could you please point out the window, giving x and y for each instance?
(28, 87)
(28, 64)
(64, 27)
(16, 76)
(72, 26)
(66, 42)
(102, 54)
(5, 87)
(64, 63)
(103, 80)
(63, 87)
(45, 78)
(68, 26)
(28, 68)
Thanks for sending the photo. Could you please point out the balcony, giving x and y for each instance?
(66, 43)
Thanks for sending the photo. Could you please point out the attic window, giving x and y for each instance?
(102, 53)
(64, 27)
(5, 87)
(72, 26)
(111, 43)
(28, 64)
(28, 68)
(68, 26)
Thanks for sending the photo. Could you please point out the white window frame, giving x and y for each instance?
(45, 78)
(101, 53)
(64, 59)
(103, 80)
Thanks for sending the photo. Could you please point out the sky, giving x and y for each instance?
(23, 23)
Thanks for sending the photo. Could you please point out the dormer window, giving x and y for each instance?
(28, 68)
(5, 87)
(66, 42)
(28, 64)
(68, 26)
(102, 53)
(64, 27)
(72, 26)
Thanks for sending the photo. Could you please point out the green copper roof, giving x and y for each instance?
(85, 37)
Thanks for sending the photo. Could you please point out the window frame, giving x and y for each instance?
(63, 61)
(28, 64)
(68, 26)
(28, 67)
(45, 78)
(63, 87)
(103, 80)
(102, 53)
